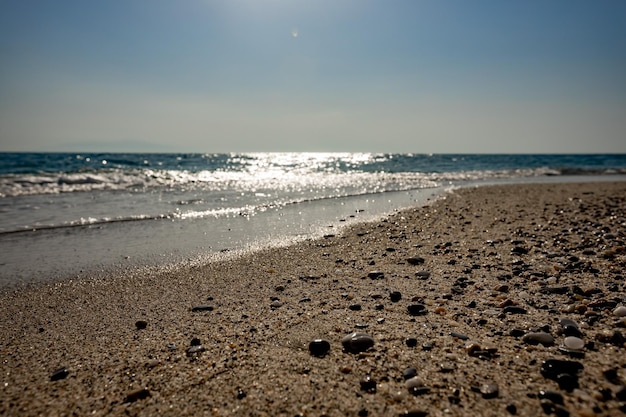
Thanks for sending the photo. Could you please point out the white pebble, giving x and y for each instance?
(620, 311)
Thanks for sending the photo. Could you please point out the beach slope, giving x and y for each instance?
(461, 303)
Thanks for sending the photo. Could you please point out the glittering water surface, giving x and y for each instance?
(50, 190)
(67, 212)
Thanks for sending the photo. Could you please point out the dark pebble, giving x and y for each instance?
(428, 346)
(195, 342)
(137, 395)
(319, 347)
(379, 307)
(357, 342)
(416, 260)
(511, 408)
(202, 308)
(368, 385)
(518, 250)
(355, 307)
(570, 328)
(141, 324)
(395, 296)
(409, 373)
(241, 394)
(59, 374)
(411, 342)
(195, 350)
(417, 309)
(553, 396)
(515, 310)
(423, 275)
(565, 373)
(376, 275)
(517, 333)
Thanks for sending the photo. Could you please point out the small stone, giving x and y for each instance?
(411, 342)
(417, 309)
(620, 311)
(565, 373)
(395, 296)
(202, 308)
(137, 395)
(415, 260)
(518, 250)
(357, 342)
(368, 385)
(319, 347)
(416, 386)
(195, 342)
(59, 374)
(511, 409)
(553, 396)
(535, 338)
(241, 394)
(570, 328)
(514, 310)
(376, 275)
(423, 275)
(574, 343)
(355, 307)
(409, 373)
(276, 304)
(194, 350)
(489, 390)
(460, 336)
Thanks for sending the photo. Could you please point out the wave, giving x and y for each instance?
(140, 180)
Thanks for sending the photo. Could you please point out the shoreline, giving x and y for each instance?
(485, 249)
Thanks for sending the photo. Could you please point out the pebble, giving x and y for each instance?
(202, 308)
(395, 296)
(460, 336)
(368, 384)
(411, 342)
(376, 275)
(141, 324)
(489, 390)
(515, 310)
(276, 304)
(417, 309)
(620, 311)
(355, 307)
(553, 396)
(409, 373)
(194, 350)
(570, 328)
(59, 374)
(137, 395)
(319, 347)
(357, 342)
(415, 260)
(565, 373)
(535, 338)
(574, 343)
(423, 275)
(416, 386)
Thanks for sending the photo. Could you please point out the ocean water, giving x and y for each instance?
(65, 213)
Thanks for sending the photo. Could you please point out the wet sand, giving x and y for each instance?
(490, 267)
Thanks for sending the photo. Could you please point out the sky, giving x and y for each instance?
(433, 76)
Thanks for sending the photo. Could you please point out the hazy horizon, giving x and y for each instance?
(400, 76)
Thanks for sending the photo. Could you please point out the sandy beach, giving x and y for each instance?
(461, 305)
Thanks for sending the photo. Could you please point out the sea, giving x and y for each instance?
(63, 215)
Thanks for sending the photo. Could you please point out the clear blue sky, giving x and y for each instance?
(313, 75)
